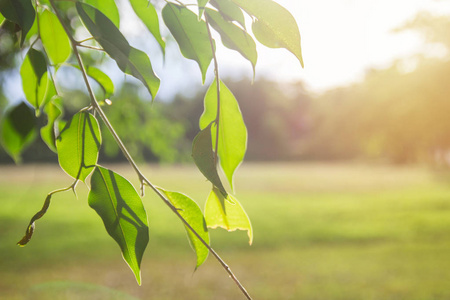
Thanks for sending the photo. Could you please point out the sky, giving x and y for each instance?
(341, 40)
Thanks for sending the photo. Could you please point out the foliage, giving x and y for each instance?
(223, 137)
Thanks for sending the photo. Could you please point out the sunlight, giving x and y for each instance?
(347, 38)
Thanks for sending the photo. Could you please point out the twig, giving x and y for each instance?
(127, 155)
(216, 74)
(217, 121)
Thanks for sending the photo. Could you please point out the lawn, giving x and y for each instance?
(321, 231)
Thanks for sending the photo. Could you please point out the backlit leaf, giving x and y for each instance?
(20, 12)
(101, 78)
(108, 7)
(54, 38)
(51, 92)
(18, 130)
(201, 7)
(226, 212)
(34, 78)
(190, 33)
(232, 130)
(147, 13)
(233, 37)
(78, 145)
(130, 60)
(118, 204)
(229, 11)
(192, 213)
(203, 155)
(53, 110)
(273, 26)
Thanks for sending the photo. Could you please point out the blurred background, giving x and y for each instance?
(345, 180)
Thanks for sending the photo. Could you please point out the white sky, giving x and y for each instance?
(341, 39)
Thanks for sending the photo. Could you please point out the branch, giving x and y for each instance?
(127, 155)
(217, 120)
(216, 74)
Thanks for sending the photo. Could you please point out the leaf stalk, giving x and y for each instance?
(142, 178)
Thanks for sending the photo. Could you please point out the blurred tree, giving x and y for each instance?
(145, 128)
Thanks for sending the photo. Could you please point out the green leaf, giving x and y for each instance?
(192, 213)
(51, 92)
(190, 33)
(108, 7)
(233, 37)
(34, 78)
(78, 145)
(20, 12)
(130, 60)
(147, 13)
(201, 7)
(229, 11)
(226, 212)
(18, 130)
(232, 131)
(101, 78)
(273, 26)
(54, 38)
(118, 204)
(203, 155)
(53, 110)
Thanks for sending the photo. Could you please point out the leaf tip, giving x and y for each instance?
(138, 278)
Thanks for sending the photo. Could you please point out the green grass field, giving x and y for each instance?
(321, 231)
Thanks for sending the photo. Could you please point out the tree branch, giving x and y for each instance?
(127, 155)
(216, 75)
(217, 121)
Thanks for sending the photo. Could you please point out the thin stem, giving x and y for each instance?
(216, 74)
(217, 121)
(127, 155)
(91, 47)
(85, 40)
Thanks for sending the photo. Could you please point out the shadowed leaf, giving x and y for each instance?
(53, 110)
(78, 145)
(118, 204)
(108, 7)
(18, 130)
(130, 60)
(232, 131)
(35, 79)
(20, 12)
(233, 36)
(203, 155)
(190, 33)
(229, 11)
